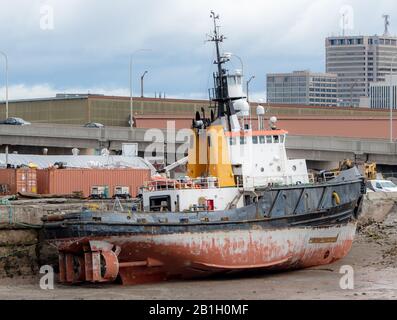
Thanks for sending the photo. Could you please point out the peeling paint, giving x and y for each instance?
(198, 254)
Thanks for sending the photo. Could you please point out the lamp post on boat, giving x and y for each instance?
(248, 83)
(131, 91)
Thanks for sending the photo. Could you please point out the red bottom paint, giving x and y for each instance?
(152, 258)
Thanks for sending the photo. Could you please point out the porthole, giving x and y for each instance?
(278, 168)
(262, 169)
(293, 168)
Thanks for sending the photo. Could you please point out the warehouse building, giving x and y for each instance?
(79, 109)
(71, 109)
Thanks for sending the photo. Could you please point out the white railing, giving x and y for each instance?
(172, 184)
(212, 182)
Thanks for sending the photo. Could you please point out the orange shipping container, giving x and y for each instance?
(67, 181)
(19, 180)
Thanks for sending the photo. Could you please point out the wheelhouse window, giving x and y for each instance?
(282, 139)
(262, 139)
(269, 139)
(276, 139)
(243, 140)
(255, 139)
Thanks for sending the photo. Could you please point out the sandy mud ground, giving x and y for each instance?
(373, 258)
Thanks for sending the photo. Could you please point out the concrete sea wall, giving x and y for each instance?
(22, 249)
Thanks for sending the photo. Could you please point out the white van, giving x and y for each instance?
(381, 186)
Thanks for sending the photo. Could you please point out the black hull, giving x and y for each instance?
(340, 215)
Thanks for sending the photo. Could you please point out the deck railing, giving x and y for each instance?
(176, 184)
(212, 182)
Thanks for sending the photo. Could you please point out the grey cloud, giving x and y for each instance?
(92, 39)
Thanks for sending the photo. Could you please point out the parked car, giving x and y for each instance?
(381, 186)
(15, 121)
(93, 125)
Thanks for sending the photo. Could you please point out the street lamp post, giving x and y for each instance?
(131, 91)
(142, 77)
(6, 68)
(391, 98)
(249, 107)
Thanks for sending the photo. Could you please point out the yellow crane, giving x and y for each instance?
(367, 169)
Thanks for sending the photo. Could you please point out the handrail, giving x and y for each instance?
(172, 184)
(212, 182)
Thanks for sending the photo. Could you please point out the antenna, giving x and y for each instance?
(217, 38)
(387, 24)
(344, 23)
(224, 106)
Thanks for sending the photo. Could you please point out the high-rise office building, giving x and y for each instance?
(302, 87)
(380, 95)
(358, 61)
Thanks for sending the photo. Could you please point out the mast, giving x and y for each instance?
(219, 84)
(224, 105)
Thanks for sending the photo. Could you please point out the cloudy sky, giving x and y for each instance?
(80, 46)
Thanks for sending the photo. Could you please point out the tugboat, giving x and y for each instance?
(242, 206)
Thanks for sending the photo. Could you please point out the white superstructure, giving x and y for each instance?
(258, 159)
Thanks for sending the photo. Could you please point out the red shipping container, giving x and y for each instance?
(19, 180)
(67, 181)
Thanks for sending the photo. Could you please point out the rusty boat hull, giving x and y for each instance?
(152, 258)
(288, 228)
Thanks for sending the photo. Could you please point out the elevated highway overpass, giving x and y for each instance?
(58, 138)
